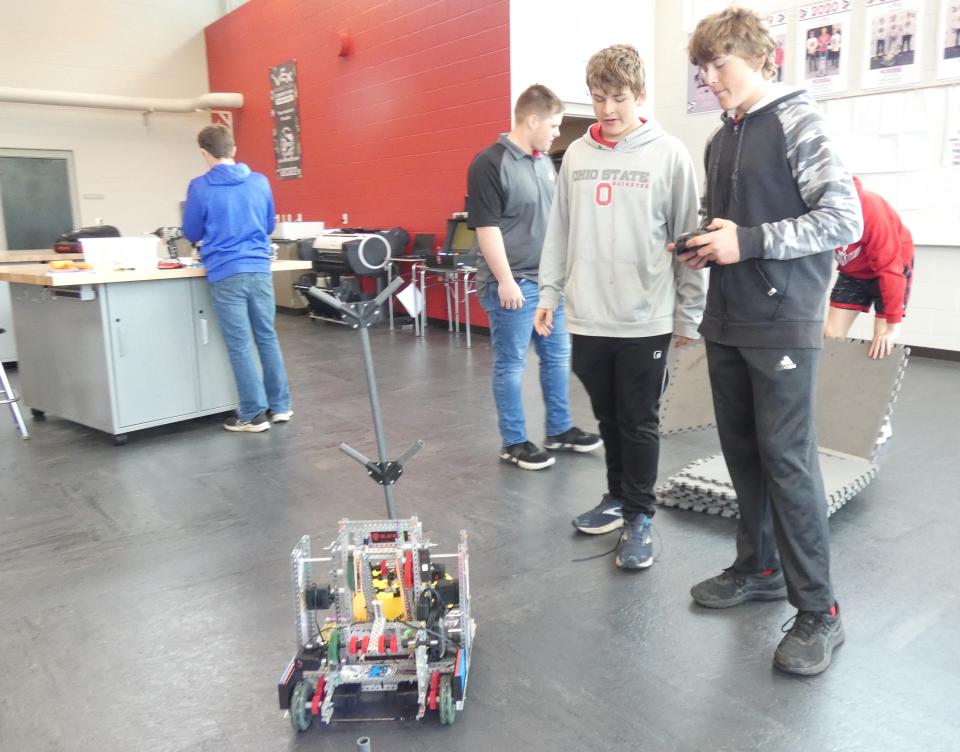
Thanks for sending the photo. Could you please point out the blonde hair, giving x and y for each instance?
(615, 69)
(734, 31)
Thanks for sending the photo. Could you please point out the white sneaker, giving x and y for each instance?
(282, 417)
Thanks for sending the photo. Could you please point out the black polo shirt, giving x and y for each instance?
(512, 190)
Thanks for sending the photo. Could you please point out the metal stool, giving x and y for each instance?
(10, 399)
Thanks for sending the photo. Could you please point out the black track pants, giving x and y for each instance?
(764, 400)
(623, 377)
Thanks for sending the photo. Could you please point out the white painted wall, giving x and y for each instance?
(551, 42)
(933, 315)
(130, 172)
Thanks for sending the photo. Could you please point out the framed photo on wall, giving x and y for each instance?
(948, 40)
(823, 36)
(892, 53)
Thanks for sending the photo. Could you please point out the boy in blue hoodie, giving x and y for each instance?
(231, 210)
(626, 189)
(779, 200)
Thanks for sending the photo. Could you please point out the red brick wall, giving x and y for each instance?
(387, 132)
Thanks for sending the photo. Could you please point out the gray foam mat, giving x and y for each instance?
(854, 394)
(704, 485)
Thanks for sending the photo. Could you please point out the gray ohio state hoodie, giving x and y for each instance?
(616, 208)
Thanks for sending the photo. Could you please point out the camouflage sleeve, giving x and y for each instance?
(834, 217)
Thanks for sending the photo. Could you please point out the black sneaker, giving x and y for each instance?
(808, 646)
(256, 424)
(573, 440)
(605, 517)
(731, 589)
(527, 455)
(636, 548)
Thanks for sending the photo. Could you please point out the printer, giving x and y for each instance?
(340, 257)
(354, 251)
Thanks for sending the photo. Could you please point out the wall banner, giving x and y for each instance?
(823, 31)
(892, 53)
(286, 121)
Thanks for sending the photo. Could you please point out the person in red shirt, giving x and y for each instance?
(875, 270)
(823, 47)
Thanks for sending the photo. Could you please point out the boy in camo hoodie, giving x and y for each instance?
(779, 201)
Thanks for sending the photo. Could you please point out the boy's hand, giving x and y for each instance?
(884, 335)
(543, 322)
(680, 341)
(688, 258)
(511, 296)
(720, 245)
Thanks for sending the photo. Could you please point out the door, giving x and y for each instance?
(217, 388)
(153, 350)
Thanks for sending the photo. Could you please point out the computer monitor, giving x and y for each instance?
(459, 236)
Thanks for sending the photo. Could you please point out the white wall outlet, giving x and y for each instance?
(344, 219)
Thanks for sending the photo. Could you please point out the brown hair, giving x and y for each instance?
(217, 140)
(537, 100)
(734, 31)
(615, 69)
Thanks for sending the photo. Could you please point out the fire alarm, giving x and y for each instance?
(346, 44)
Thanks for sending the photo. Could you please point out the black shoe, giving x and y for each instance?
(808, 646)
(256, 424)
(731, 589)
(636, 548)
(605, 517)
(573, 440)
(527, 455)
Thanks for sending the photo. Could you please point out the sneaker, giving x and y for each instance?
(527, 456)
(807, 648)
(283, 417)
(256, 424)
(605, 517)
(636, 548)
(574, 440)
(731, 588)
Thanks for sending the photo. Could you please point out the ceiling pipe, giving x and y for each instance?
(213, 101)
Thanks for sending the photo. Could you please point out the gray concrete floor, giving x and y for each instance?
(145, 602)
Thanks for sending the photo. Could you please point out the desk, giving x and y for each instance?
(121, 351)
(450, 278)
(8, 342)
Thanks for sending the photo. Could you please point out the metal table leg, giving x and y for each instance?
(423, 307)
(466, 304)
(390, 299)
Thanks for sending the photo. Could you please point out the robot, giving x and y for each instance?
(390, 624)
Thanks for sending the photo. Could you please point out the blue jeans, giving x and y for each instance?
(246, 307)
(510, 335)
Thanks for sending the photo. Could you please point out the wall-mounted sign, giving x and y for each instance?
(823, 56)
(286, 121)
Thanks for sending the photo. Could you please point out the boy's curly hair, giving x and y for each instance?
(734, 31)
(617, 68)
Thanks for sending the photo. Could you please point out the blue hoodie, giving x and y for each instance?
(231, 210)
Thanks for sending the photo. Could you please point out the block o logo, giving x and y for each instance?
(604, 194)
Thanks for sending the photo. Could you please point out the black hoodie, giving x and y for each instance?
(775, 173)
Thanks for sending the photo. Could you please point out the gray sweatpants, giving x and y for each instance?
(764, 400)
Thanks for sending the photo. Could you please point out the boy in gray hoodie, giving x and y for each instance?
(625, 190)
